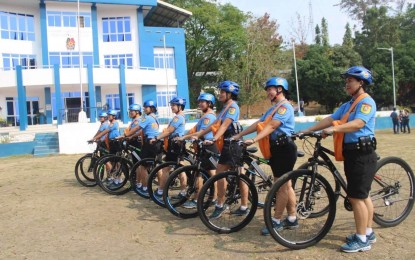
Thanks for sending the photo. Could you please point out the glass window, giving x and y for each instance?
(13, 22)
(4, 34)
(116, 29)
(105, 26)
(22, 23)
(4, 21)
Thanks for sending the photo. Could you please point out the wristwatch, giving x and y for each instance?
(213, 139)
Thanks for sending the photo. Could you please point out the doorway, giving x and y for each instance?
(72, 108)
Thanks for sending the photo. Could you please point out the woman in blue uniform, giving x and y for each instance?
(359, 154)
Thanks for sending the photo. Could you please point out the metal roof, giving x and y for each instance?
(165, 15)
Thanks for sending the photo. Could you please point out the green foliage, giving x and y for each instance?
(317, 40)
(347, 38)
(324, 33)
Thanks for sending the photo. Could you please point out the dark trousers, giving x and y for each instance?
(395, 126)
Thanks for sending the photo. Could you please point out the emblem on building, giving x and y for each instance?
(70, 43)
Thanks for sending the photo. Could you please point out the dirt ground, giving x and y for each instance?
(46, 214)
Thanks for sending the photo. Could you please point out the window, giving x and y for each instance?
(68, 19)
(163, 98)
(113, 100)
(12, 111)
(15, 26)
(10, 61)
(116, 29)
(114, 60)
(70, 59)
(164, 58)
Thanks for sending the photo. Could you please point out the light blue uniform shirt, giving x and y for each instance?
(178, 122)
(104, 126)
(135, 123)
(364, 110)
(150, 126)
(204, 123)
(284, 114)
(232, 113)
(114, 130)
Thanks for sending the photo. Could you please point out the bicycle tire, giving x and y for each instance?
(98, 164)
(232, 202)
(152, 184)
(393, 176)
(310, 230)
(122, 169)
(81, 174)
(175, 205)
(149, 162)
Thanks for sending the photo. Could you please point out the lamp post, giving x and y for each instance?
(82, 115)
(393, 74)
(296, 81)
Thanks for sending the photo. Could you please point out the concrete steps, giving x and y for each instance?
(46, 144)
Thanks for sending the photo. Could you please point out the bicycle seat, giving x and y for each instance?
(252, 149)
(300, 153)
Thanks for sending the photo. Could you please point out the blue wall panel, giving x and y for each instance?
(16, 149)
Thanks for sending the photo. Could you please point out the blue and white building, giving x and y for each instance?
(117, 53)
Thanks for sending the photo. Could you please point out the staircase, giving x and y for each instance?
(46, 144)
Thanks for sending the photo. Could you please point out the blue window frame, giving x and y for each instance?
(164, 61)
(15, 26)
(70, 59)
(68, 19)
(116, 29)
(10, 61)
(114, 60)
(164, 97)
(113, 100)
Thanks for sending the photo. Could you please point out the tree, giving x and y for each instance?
(324, 33)
(317, 40)
(260, 59)
(300, 29)
(357, 8)
(347, 38)
(214, 34)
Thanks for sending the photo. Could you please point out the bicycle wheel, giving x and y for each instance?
(324, 171)
(99, 166)
(392, 191)
(115, 179)
(84, 170)
(176, 203)
(228, 221)
(310, 230)
(148, 163)
(154, 180)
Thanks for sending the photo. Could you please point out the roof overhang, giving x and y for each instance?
(165, 15)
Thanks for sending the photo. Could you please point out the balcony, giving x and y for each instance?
(101, 75)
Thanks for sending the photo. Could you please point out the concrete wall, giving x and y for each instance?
(11, 149)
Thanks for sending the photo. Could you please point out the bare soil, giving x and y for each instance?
(46, 214)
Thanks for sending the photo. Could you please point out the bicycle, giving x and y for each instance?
(153, 181)
(121, 163)
(229, 222)
(173, 199)
(316, 201)
(84, 166)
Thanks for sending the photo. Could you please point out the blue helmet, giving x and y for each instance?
(150, 103)
(178, 101)
(135, 107)
(359, 72)
(275, 82)
(229, 86)
(103, 114)
(207, 97)
(112, 112)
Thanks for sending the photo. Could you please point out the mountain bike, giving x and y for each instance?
(392, 194)
(85, 165)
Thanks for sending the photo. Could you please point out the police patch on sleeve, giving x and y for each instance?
(365, 108)
(206, 121)
(282, 110)
(143, 119)
(175, 119)
(232, 110)
(154, 125)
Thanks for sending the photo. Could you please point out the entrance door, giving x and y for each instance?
(73, 107)
(32, 105)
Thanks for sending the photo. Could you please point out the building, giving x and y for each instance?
(122, 52)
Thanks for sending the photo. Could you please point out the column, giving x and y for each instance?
(91, 91)
(44, 33)
(21, 98)
(94, 24)
(60, 110)
(123, 95)
(48, 105)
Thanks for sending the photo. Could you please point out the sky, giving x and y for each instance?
(284, 11)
